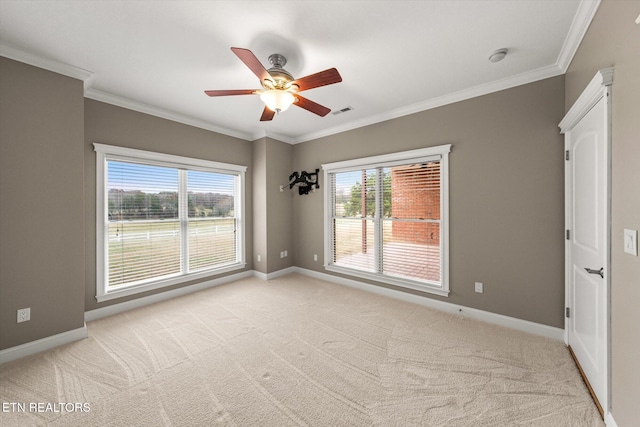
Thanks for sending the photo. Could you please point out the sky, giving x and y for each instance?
(156, 179)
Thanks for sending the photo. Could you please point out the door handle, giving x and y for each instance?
(600, 272)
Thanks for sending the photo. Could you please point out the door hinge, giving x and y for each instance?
(567, 312)
(567, 234)
(566, 155)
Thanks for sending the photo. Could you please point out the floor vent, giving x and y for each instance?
(342, 110)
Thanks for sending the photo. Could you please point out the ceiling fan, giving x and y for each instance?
(280, 89)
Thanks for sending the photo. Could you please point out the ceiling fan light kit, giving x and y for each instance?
(277, 100)
(280, 88)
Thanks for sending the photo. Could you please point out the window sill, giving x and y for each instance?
(159, 284)
(396, 281)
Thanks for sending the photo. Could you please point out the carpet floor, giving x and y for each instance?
(297, 351)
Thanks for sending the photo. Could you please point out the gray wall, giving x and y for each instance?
(506, 192)
(41, 208)
(279, 205)
(108, 124)
(272, 209)
(613, 39)
(260, 205)
(506, 195)
(47, 193)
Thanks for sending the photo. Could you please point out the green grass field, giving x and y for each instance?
(141, 250)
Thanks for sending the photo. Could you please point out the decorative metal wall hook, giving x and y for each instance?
(305, 181)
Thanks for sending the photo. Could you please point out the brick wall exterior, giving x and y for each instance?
(415, 193)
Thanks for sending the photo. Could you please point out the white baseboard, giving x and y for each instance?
(473, 313)
(43, 344)
(260, 275)
(275, 274)
(110, 310)
(80, 333)
(609, 421)
(48, 343)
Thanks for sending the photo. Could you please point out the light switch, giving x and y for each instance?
(631, 241)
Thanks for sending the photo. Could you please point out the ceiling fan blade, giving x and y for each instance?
(231, 92)
(309, 105)
(323, 78)
(252, 62)
(267, 115)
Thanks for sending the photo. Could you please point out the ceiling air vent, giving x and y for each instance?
(342, 110)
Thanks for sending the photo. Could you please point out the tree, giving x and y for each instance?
(353, 207)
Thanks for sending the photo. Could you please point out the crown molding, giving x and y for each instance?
(258, 135)
(581, 21)
(579, 26)
(462, 95)
(31, 58)
(131, 104)
(280, 137)
(87, 77)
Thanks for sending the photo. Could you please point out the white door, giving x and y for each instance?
(588, 216)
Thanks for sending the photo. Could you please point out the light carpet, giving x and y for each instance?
(297, 351)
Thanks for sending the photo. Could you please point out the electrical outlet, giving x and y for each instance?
(259, 258)
(479, 287)
(315, 257)
(24, 314)
(282, 254)
(285, 254)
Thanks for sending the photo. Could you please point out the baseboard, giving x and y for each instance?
(110, 310)
(47, 343)
(275, 274)
(609, 421)
(472, 313)
(260, 275)
(43, 344)
(282, 272)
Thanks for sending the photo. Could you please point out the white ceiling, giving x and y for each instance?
(395, 57)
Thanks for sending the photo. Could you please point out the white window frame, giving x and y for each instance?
(105, 153)
(422, 155)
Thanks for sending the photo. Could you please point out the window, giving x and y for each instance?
(163, 220)
(386, 218)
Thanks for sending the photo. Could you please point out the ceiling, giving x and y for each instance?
(395, 57)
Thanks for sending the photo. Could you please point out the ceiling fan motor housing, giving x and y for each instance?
(281, 77)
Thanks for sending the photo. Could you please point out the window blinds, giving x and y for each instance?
(353, 220)
(166, 221)
(211, 221)
(143, 223)
(411, 225)
(386, 220)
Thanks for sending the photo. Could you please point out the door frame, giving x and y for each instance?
(599, 87)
